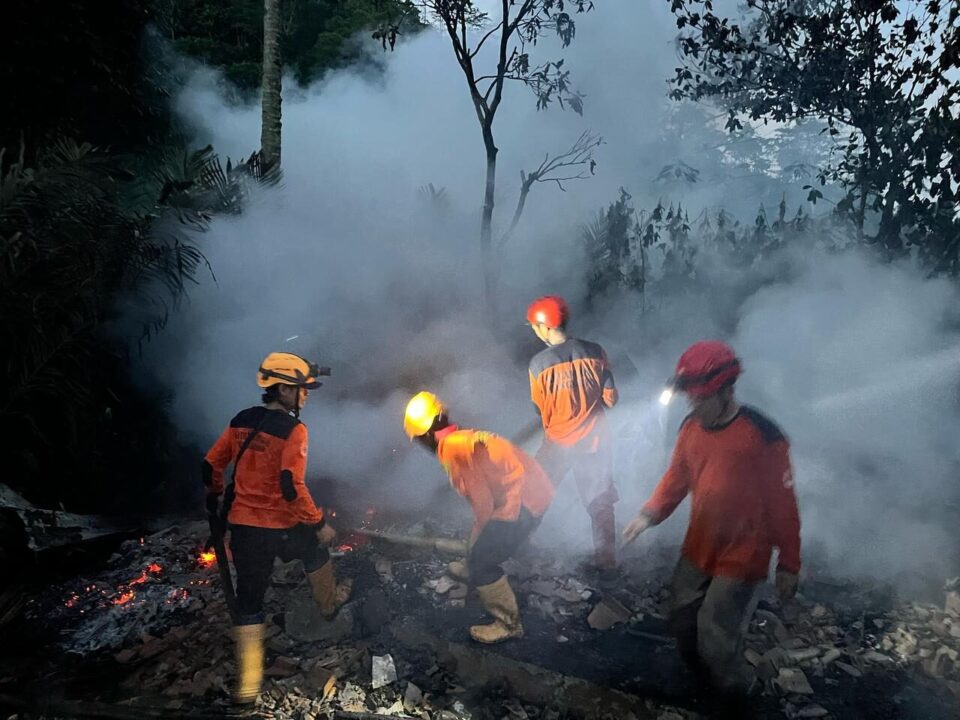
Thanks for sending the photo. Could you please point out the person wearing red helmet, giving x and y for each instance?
(735, 463)
(571, 384)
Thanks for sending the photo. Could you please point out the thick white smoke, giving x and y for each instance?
(351, 264)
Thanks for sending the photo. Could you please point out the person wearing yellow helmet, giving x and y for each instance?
(268, 507)
(508, 491)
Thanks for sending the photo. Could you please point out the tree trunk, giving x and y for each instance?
(270, 89)
(487, 259)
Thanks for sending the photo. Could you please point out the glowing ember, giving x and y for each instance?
(154, 568)
(125, 598)
(207, 559)
(351, 542)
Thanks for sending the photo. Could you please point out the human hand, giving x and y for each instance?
(326, 535)
(636, 526)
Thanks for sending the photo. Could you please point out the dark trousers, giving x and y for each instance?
(497, 542)
(709, 616)
(254, 550)
(593, 474)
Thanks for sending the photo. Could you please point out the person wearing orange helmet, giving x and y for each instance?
(572, 385)
(268, 508)
(735, 463)
(508, 491)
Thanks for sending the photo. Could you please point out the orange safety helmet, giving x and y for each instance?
(550, 310)
(282, 368)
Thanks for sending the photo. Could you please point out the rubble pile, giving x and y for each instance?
(146, 588)
(809, 642)
(157, 613)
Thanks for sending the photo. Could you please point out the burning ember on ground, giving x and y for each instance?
(126, 590)
(353, 540)
(207, 559)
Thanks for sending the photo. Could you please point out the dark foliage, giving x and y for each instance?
(316, 35)
(883, 75)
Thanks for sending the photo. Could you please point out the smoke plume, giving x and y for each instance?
(357, 264)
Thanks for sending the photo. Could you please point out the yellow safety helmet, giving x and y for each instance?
(422, 410)
(282, 368)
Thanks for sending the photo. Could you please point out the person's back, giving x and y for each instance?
(497, 478)
(571, 384)
(265, 492)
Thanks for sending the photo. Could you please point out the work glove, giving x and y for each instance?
(786, 585)
(326, 535)
(636, 526)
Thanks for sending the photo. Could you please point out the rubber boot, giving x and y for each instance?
(248, 642)
(604, 538)
(498, 600)
(459, 570)
(328, 595)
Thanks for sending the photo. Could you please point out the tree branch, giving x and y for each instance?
(580, 156)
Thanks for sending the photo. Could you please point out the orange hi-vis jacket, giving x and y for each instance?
(495, 476)
(743, 500)
(269, 488)
(571, 384)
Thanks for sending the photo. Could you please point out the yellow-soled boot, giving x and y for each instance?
(248, 641)
(328, 595)
(498, 600)
(459, 570)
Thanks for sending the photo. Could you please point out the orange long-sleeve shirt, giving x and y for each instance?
(495, 476)
(269, 489)
(571, 384)
(743, 502)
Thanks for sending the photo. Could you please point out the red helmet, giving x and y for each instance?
(550, 310)
(705, 368)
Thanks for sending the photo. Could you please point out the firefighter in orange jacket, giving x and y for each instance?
(508, 492)
(268, 507)
(736, 465)
(571, 384)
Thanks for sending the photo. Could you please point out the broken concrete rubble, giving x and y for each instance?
(793, 681)
(607, 613)
(383, 671)
(319, 669)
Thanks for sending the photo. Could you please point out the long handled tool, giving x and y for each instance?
(449, 546)
(215, 541)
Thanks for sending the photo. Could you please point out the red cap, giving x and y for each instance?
(550, 310)
(706, 367)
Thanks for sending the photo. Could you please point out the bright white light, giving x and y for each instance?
(666, 396)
